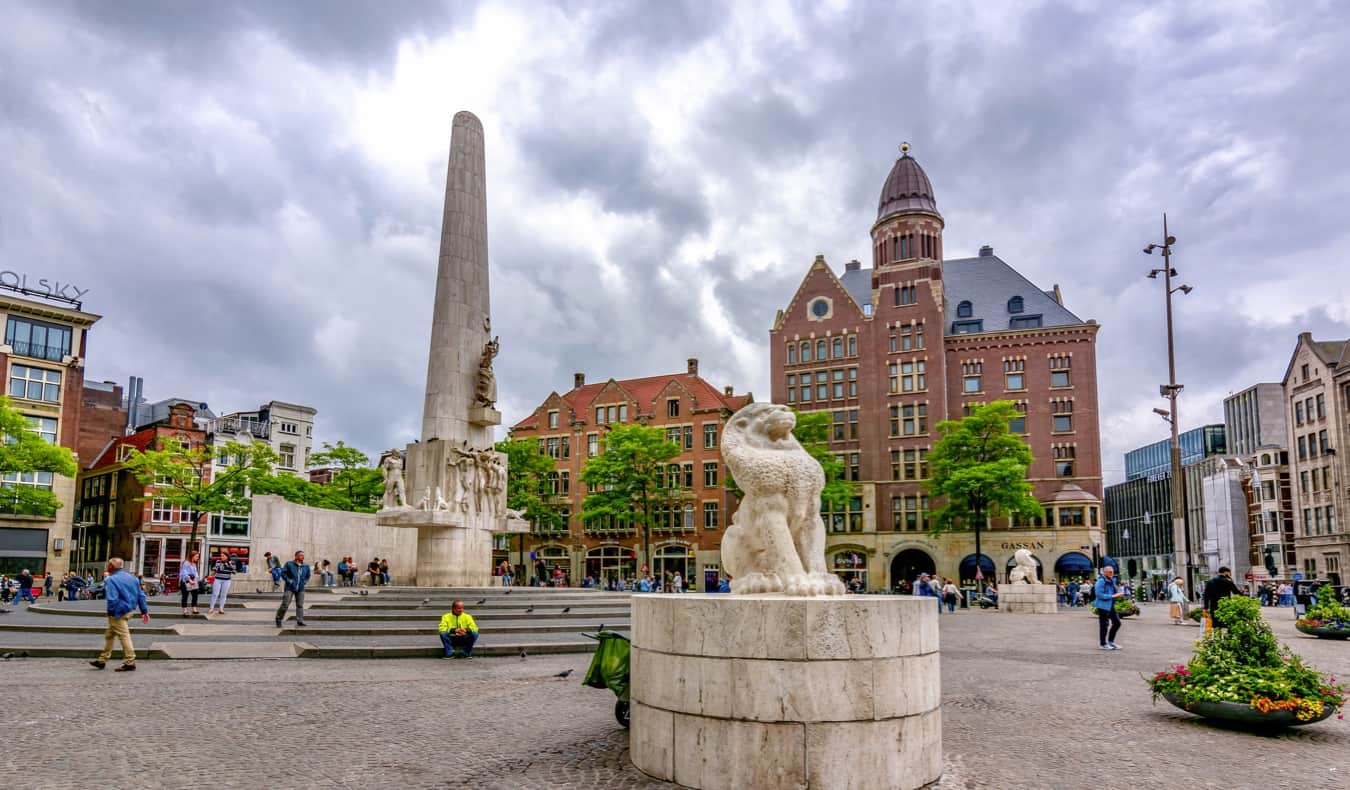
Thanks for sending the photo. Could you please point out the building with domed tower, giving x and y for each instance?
(915, 338)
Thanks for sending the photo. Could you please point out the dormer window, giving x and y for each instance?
(1015, 304)
(964, 310)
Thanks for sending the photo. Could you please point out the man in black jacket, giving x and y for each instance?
(1217, 589)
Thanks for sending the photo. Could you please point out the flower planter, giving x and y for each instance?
(1131, 613)
(1325, 631)
(1243, 713)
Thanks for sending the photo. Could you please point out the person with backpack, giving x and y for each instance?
(1105, 593)
(950, 595)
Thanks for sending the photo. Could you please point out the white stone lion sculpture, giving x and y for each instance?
(1024, 568)
(776, 542)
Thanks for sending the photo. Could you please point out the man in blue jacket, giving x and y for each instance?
(124, 596)
(1105, 594)
(294, 574)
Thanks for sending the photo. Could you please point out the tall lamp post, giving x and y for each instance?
(1181, 537)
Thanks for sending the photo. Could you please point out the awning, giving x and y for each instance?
(1112, 562)
(1073, 563)
(986, 565)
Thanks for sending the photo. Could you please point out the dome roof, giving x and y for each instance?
(907, 189)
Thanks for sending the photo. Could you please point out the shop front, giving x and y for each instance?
(610, 564)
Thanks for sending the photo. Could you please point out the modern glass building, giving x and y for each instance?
(1154, 459)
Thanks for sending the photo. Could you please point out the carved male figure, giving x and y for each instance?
(391, 467)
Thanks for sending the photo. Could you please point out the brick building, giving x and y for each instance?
(43, 357)
(893, 349)
(120, 515)
(1317, 415)
(687, 532)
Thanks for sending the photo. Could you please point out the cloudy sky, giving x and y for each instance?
(251, 191)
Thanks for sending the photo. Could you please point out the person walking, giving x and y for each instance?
(188, 584)
(25, 588)
(1217, 589)
(1105, 594)
(124, 597)
(950, 595)
(1176, 594)
(47, 586)
(294, 575)
(222, 571)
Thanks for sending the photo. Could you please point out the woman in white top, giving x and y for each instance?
(1176, 594)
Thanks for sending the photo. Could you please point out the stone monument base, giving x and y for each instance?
(772, 691)
(1028, 598)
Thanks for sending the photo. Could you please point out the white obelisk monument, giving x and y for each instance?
(451, 485)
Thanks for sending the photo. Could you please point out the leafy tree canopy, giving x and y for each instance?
(979, 467)
(357, 486)
(624, 478)
(526, 479)
(24, 450)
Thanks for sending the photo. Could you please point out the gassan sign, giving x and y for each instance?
(42, 286)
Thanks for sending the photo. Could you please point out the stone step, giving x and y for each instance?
(156, 651)
(200, 650)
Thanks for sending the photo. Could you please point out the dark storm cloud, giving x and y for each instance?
(197, 166)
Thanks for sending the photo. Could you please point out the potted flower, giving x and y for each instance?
(1126, 607)
(1329, 619)
(1240, 673)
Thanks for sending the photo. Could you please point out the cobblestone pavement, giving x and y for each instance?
(1028, 702)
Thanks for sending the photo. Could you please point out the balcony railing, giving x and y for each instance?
(50, 353)
(232, 426)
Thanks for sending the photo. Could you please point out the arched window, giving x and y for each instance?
(806, 351)
(1015, 304)
(964, 310)
(1265, 459)
(792, 353)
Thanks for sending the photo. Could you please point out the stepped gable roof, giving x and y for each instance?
(643, 392)
(987, 282)
(907, 189)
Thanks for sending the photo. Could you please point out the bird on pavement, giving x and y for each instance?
(531, 609)
(522, 654)
(257, 589)
(7, 656)
(482, 601)
(601, 628)
(426, 601)
(365, 592)
(566, 609)
(563, 673)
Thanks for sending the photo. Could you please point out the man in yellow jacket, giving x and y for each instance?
(458, 632)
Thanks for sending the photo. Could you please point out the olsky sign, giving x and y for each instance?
(42, 286)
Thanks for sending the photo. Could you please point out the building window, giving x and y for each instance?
(791, 388)
(968, 327)
(909, 513)
(853, 469)
(1298, 412)
(710, 515)
(1322, 440)
(820, 308)
(1018, 424)
(837, 383)
(673, 407)
(844, 425)
(911, 338)
(44, 427)
(289, 427)
(161, 511)
(1059, 370)
(1071, 517)
(32, 383)
(1015, 304)
(913, 419)
(1062, 411)
(709, 474)
(34, 479)
(848, 518)
(709, 435)
(552, 419)
(965, 310)
(1302, 449)
(1025, 322)
(837, 348)
(1303, 369)
(970, 376)
(1064, 458)
(906, 294)
(37, 339)
(822, 387)
(1013, 376)
(592, 445)
(287, 456)
(1321, 407)
(908, 376)
(806, 352)
(853, 382)
(909, 464)
(822, 350)
(792, 353)
(853, 345)
(688, 437)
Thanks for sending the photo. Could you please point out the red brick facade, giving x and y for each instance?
(570, 427)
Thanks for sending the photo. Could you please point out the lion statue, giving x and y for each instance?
(1024, 568)
(776, 541)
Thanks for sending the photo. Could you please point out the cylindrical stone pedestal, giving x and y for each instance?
(772, 691)
(1022, 598)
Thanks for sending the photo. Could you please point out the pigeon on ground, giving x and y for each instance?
(522, 654)
(563, 673)
(566, 609)
(426, 601)
(7, 656)
(601, 628)
(531, 609)
(482, 601)
(365, 592)
(257, 589)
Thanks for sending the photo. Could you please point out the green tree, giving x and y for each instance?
(182, 475)
(813, 431)
(356, 486)
(979, 469)
(625, 477)
(527, 479)
(24, 451)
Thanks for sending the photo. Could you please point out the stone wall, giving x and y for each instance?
(281, 527)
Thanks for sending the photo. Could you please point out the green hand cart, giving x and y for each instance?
(609, 669)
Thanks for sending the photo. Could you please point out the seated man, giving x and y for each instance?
(458, 632)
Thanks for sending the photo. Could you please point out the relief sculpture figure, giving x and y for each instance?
(485, 391)
(391, 468)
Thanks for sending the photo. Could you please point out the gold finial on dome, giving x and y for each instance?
(904, 147)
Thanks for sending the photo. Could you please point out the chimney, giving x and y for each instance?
(852, 266)
(726, 391)
(693, 366)
(986, 251)
(578, 380)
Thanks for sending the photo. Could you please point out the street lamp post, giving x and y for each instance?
(1181, 536)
